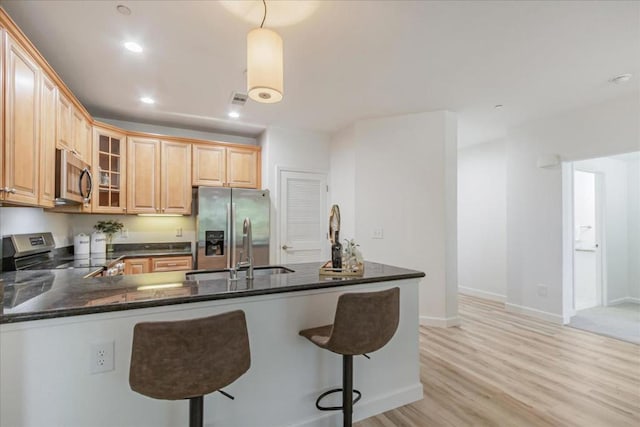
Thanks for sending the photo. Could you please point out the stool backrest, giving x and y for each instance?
(364, 321)
(189, 358)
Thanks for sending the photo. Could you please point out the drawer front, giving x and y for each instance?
(172, 263)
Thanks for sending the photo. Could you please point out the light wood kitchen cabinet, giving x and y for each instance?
(2, 37)
(171, 263)
(22, 125)
(81, 136)
(48, 101)
(143, 175)
(175, 178)
(209, 165)
(137, 265)
(219, 166)
(73, 130)
(243, 167)
(109, 171)
(157, 264)
(63, 128)
(158, 176)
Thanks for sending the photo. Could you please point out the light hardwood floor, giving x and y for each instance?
(504, 369)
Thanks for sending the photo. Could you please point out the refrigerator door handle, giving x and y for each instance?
(228, 238)
(232, 225)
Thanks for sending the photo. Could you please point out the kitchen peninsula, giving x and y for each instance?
(67, 314)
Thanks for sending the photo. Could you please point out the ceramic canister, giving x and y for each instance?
(98, 242)
(81, 245)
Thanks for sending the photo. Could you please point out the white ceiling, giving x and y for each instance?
(348, 60)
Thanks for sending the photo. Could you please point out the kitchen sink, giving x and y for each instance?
(266, 270)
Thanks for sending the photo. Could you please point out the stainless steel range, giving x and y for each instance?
(36, 251)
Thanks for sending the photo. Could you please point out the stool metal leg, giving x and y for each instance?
(347, 390)
(195, 411)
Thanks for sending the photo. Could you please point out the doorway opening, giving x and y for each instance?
(587, 256)
(604, 233)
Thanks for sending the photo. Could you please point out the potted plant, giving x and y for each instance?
(109, 227)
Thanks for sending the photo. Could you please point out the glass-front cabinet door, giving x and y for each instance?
(109, 169)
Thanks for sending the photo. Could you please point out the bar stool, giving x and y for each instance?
(364, 322)
(187, 359)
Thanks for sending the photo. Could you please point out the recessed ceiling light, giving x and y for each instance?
(147, 100)
(133, 47)
(123, 9)
(622, 78)
(234, 114)
(498, 106)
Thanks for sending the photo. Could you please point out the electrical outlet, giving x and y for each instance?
(542, 291)
(124, 233)
(101, 357)
(378, 233)
(179, 232)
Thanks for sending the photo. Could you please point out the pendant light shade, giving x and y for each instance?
(264, 66)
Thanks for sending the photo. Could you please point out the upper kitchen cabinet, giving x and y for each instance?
(63, 129)
(175, 176)
(143, 175)
(81, 135)
(2, 36)
(158, 176)
(21, 125)
(109, 171)
(48, 100)
(220, 166)
(243, 167)
(209, 165)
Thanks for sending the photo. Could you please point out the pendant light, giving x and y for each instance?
(264, 64)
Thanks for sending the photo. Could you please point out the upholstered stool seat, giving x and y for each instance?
(364, 322)
(187, 359)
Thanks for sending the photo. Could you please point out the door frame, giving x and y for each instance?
(276, 228)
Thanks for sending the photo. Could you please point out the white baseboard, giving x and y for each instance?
(440, 322)
(623, 300)
(533, 312)
(366, 409)
(482, 294)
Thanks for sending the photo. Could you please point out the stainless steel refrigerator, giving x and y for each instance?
(220, 215)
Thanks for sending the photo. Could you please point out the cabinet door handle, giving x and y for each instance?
(285, 247)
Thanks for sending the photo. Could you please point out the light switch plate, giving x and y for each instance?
(378, 233)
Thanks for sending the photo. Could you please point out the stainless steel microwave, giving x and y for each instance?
(73, 179)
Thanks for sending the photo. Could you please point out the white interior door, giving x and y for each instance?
(303, 217)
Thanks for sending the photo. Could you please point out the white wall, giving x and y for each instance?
(179, 132)
(342, 180)
(482, 218)
(404, 169)
(141, 229)
(534, 195)
(290, 149)
(633, 172)
(17, 220)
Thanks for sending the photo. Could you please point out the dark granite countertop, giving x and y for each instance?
(46, 294)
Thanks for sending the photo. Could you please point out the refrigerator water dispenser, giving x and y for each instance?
(214, 243)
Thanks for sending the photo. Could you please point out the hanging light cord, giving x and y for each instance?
(265, 13)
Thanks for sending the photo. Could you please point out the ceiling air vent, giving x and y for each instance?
(238, 98)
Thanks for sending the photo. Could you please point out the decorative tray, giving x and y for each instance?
(327, 270)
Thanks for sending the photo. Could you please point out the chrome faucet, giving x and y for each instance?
(247, 248)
